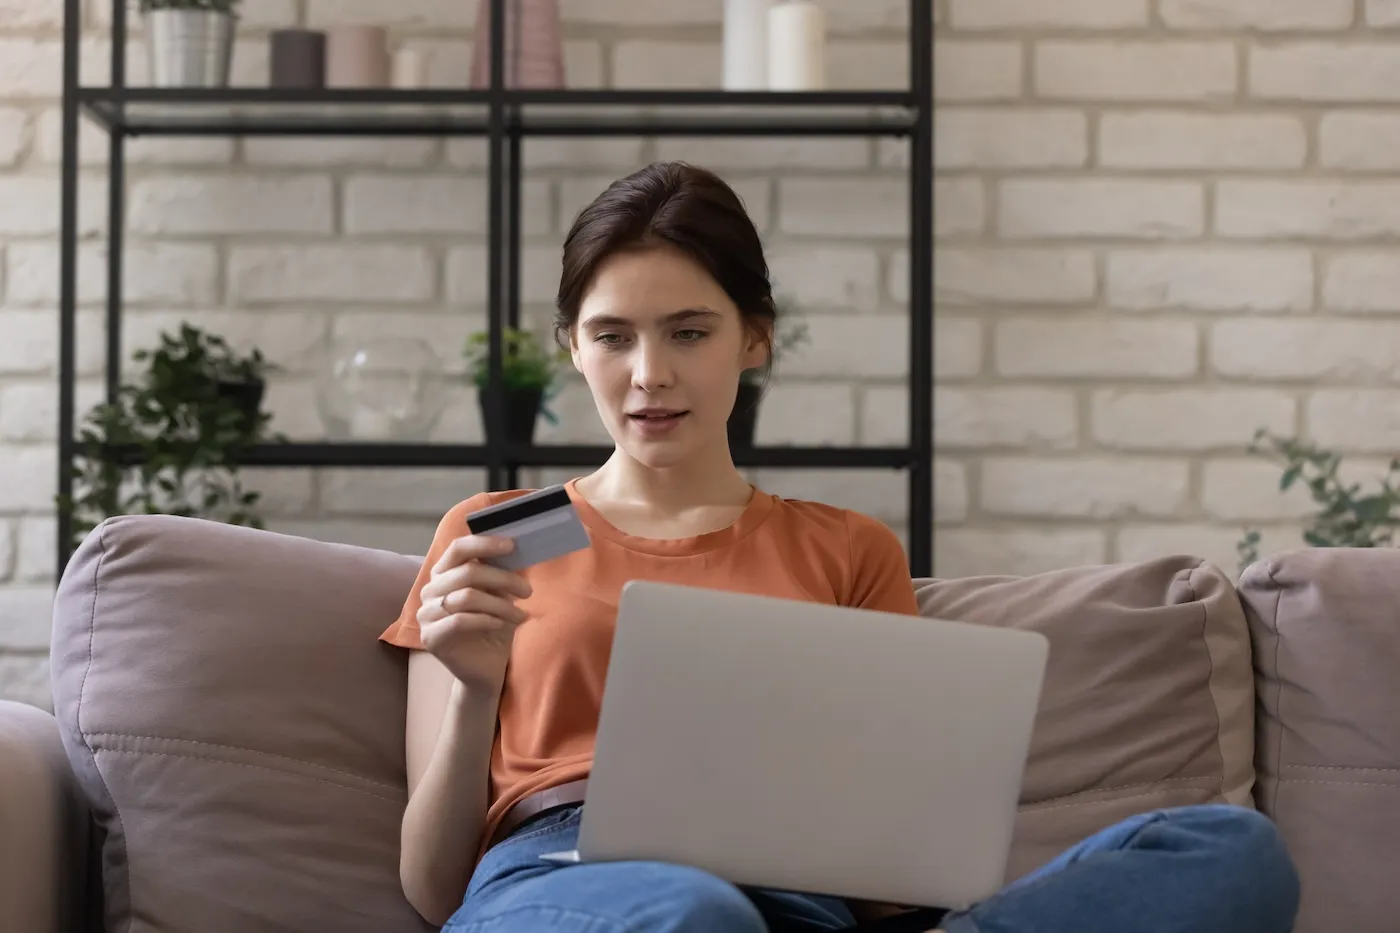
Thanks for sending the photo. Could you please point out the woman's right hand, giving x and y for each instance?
(467, 617)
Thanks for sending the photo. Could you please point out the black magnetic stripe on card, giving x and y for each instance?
(536, 503)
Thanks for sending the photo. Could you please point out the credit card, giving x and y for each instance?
(544, 524)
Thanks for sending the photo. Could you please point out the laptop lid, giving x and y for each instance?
(812, 748)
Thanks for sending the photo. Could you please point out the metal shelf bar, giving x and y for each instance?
(505, 116)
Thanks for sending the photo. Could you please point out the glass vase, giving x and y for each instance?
(381, 389)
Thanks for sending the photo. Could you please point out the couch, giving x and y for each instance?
(226, 746)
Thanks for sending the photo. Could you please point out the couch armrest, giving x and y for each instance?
(1326, 652)
(43, 827)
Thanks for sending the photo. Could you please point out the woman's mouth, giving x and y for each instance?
(654, 422)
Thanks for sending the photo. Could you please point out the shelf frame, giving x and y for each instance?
(468, 112)
(354, 455)
(504, 117)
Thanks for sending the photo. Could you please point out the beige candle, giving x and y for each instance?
(408, 69)
(357, 56)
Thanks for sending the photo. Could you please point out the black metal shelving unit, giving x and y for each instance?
(504, 117)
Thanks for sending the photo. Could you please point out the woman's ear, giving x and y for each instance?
(759, 346)
(573, 350)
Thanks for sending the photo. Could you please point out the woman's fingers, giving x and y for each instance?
(471, 547)
(472, 601)
(460, 624)
(462, 584)
(483, 602)
(477, 576)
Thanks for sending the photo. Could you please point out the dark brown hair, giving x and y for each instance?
(679, 205)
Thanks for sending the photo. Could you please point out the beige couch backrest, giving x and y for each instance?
(239, 730)
(236, 726)
(1148, 699)
(1326, 625)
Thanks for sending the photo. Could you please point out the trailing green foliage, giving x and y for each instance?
(1346, 516)
(170, 441)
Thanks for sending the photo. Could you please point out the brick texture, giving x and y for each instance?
(1266, 15)
(1159, 226)
(1136, 70)
(1201, 141)
(1069, 14)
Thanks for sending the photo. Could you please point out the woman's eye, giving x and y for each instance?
(690, 335)
(608, 339)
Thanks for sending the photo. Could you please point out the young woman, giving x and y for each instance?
(664, 300)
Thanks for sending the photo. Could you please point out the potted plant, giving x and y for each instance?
(743, 420)
(200, 366)
(529, 374)
(189, 43)
(169, 442)
(1346, 517)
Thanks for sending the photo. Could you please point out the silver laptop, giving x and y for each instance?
(811, 748)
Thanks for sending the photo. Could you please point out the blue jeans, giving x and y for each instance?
(1202, 869)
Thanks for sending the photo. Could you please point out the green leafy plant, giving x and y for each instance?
(215, 6)
(526, 362)
(199, 362)
(169, 442)
(1346, 516)
(788, 335)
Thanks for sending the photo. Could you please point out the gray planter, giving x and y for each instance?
(189, 48)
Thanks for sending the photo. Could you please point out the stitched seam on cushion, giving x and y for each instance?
(1210, 673)
(92, 749)
(1038, 808)
(1278, 675)
(1289, 780)
(1116, 787)
(245, 764)
(92, 622)
(1344, 768)
(240, 748)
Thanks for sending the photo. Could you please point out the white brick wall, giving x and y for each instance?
(1172, 222)
(1161, 224)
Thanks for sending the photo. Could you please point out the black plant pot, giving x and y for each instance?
(248, 397)
(522, 408)
(744, 418)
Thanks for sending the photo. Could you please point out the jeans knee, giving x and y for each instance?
(616, 897)
(1248, 842)
(699, 902)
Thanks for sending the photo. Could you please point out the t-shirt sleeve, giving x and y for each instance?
(880, 578)
(403, 632)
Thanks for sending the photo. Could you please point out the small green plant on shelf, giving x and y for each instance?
(169, 442)
(1346, 516)
(530, 378)
(526, 362)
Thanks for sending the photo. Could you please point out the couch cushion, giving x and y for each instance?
(236, 725)
(1326, 624)
(1148, 695)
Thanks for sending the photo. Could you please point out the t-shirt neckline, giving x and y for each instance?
(759, 506)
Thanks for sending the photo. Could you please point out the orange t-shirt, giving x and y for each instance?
(553, 688)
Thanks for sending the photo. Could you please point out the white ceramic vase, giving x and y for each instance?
(189, 48)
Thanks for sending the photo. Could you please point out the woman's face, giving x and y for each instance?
(661, 347)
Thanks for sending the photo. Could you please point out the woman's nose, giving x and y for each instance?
(650, 368)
